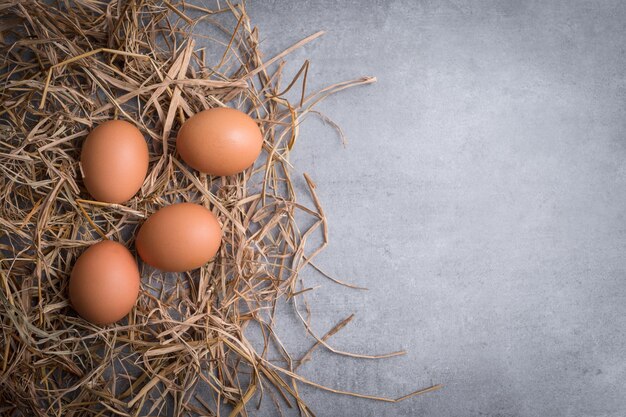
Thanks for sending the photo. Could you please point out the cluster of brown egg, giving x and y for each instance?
(105, 280)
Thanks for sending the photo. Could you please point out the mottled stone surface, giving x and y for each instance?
(481, 198)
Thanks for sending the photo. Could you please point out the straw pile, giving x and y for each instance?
(183, 350)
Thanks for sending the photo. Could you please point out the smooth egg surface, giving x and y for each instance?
(220, 141)
(179, 237)
(114, 161)
(104, 283)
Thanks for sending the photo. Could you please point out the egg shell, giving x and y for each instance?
(220, 141)
(104, 283)
(114, 161)
(179, 237)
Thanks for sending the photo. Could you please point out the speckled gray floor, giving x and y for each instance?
(481, 198)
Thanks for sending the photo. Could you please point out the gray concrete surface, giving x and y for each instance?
(481, 198)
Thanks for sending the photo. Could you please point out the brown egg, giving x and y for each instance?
(179, 237)
(114, 161)
(104, 283)
(220, 141)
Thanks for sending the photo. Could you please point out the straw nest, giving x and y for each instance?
(68, 66)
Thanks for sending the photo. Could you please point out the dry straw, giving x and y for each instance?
(67, 66)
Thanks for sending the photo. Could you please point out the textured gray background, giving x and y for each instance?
(481, 198)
